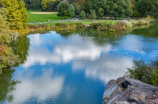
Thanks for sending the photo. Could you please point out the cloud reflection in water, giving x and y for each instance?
(42, 87)
(82, 52)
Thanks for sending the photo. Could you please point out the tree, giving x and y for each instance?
(147, 7)
(93, 14)
(7, 58)
(44, 4)
(65, 9)
(35, 4)
(83, 15)
(100, 12)
(81, 5)
(16, 13)
(77, 8)
(71, 11)
(118, 8)
(4, 28)
(51, 5)
(27, 4)
(98, 6)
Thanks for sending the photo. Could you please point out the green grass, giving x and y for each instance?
(42, 17)
(54, 17)
(86, 22)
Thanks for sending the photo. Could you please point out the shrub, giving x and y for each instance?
(62, 26)
(101, 26)
(148, 73)
(80, 25)
(117, 27)
(148, 17)
(122, 25)
(139, 22)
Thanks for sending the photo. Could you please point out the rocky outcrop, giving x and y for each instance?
(129, 91)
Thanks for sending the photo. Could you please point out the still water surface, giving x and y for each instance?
(73, 67)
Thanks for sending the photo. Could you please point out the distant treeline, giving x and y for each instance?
(110, 8)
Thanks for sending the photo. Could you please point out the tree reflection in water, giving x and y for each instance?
(7, 85)
(20, 47)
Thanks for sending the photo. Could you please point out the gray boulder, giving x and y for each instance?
(129, 91)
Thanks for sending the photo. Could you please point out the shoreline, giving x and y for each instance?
(121, 25)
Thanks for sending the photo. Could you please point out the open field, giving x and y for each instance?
(86, 22)
(39, 16)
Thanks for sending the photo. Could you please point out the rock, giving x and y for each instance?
(129, 91)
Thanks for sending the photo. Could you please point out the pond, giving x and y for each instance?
(73, 67)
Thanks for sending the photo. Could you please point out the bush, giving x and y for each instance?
(62, 26)
(101, 26)
(140, 22)
(148, 73)
(122, 25)
(80, 25)
(83, 15)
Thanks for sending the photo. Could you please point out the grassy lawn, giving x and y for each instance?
(45, 17)
(42, 17)
(86, 22)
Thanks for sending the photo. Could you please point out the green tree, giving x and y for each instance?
(71, 11)
(77, 8)
(98, 6)
(65, 9)
(27, 4)
(35, 4)
(100, 12)
(51, 5)
(147, 7)
(118, 8)
(44, 4)
(83, 15)
(93, 14)
(16, 13)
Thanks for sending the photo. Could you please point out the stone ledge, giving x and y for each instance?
(129, 91)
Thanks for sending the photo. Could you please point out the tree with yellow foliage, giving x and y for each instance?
(44, 4)
(17, 17)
